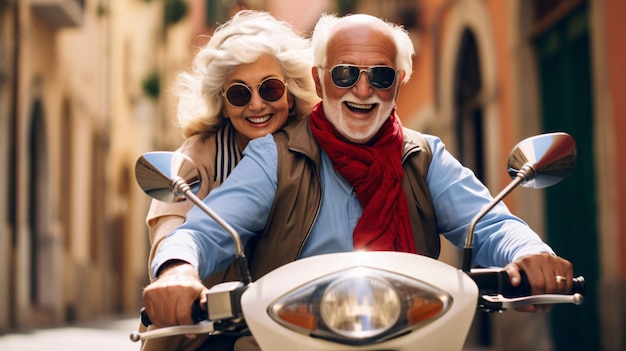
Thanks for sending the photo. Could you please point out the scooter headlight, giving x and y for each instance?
(360, 305)
(348, 306)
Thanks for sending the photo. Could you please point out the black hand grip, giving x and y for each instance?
(145, 320)
(578, 285)
(197, 314)
(496, 281)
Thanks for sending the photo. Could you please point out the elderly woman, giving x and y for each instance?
(250, 79)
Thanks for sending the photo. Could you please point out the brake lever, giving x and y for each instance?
(204, 327)
(500, 303)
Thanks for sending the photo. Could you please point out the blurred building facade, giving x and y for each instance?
(84, 91)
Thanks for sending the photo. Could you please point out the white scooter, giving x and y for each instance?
(361, 300)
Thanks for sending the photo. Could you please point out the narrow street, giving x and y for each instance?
(100, 335)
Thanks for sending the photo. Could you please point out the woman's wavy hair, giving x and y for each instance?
(246, 36)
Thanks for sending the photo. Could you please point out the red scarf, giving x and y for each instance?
(375, 171)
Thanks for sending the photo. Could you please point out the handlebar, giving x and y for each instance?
(496, 293)
(202, 324)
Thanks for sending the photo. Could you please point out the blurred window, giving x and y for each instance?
(218, 11)
(404, 12)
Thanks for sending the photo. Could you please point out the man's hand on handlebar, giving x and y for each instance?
(547, 274)
(168, 300)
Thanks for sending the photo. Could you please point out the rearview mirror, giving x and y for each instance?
(548, 157)
(156, 171)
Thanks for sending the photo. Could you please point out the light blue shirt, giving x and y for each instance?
(244, 201)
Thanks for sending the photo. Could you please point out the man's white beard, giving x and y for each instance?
(335, 114)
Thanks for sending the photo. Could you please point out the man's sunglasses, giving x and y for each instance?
(270, 90)
(379, 77)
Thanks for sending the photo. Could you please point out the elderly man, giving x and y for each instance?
(357, 180)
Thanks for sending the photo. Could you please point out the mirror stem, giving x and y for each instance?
(525, 173)
(181, 187)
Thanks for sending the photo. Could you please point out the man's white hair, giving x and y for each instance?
(324, 31)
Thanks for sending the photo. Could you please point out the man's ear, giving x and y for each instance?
(400, 79)
(318, 82)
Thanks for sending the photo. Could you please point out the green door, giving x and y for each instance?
(563, 56)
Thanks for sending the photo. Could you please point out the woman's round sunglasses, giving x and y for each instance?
(379, 77)
(270, 90)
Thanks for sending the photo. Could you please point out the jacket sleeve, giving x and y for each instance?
(499, 237)
(163, 217)
(243, 201)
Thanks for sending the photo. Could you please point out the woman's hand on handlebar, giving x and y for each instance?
(168, 300)
(547, 274)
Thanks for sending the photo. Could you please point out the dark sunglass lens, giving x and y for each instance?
(271, 90)
(345, 76)
(238, 94)
(381, 77)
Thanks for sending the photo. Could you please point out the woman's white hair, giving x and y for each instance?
(324, 30)
(242, 40)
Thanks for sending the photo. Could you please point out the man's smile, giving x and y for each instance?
(360, 108)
